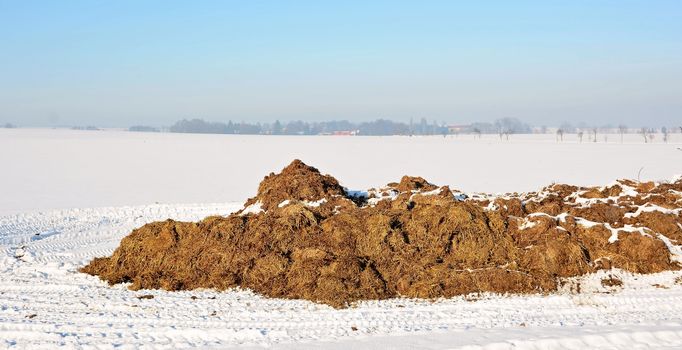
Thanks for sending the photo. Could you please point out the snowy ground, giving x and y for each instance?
(60, 169)
(44, 302)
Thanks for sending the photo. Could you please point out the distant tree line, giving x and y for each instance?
(88, 128)
(647, 133)
(504, 127)
(377, 127)
(143, 128)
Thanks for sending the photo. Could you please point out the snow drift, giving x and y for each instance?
(304, 236)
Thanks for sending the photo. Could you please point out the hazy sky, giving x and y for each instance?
(117, 63)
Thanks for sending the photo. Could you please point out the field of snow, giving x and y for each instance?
(45, 302)
(60, 169)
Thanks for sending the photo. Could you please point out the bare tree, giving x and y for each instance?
(580, 136)
(594, 134)
(477, 132)
(508, 126)
(622, 129)
(645, 134)
(664, 131)
(504, 133)
(567, 128)
(560, 134)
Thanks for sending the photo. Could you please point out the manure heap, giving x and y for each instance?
(304, 236)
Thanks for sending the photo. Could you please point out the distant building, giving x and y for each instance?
(345, 133)
(455, 129)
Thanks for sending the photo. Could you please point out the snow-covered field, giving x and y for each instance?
(48, 169)
(45, 303)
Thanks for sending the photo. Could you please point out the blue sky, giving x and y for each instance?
(117, 63)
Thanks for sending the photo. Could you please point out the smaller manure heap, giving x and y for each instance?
(305, 237)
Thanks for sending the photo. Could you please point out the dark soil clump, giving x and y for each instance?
(311, 240)
(611, 282)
